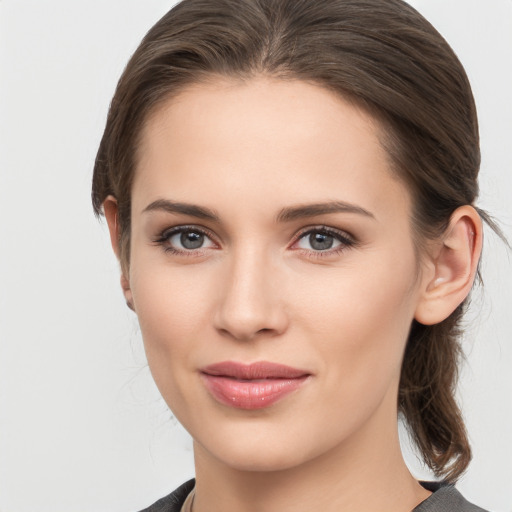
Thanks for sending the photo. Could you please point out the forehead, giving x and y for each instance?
(264, 137)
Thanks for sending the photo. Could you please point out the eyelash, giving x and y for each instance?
(346, 241)
(165, 236)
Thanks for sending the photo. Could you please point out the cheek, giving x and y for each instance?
(360, 320)
(359, 328)
(173, 310)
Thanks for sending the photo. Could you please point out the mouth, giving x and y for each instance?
(253, 386)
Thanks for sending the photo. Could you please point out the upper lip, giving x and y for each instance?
(253, 371)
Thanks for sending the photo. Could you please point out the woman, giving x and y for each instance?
(289, 187)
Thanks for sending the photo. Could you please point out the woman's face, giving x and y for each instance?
(268, 228)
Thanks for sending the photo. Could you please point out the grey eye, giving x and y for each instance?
(321, 241)
(189, 240)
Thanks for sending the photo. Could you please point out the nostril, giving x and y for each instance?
(247, 308)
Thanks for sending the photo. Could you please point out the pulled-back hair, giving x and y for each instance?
(385, 57)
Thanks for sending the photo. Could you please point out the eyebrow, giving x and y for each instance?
(285, 215)
(183, 208)
(312, 210)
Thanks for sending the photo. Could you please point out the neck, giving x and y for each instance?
(365, 473)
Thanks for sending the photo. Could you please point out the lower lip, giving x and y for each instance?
(250, 394)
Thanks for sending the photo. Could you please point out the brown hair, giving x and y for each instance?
(381, 54)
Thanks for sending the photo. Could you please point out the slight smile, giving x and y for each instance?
(253, 386)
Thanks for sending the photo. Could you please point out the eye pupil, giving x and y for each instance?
(321, 241)
(191, 239)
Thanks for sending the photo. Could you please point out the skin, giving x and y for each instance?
(257, 290)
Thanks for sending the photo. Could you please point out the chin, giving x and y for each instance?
(258, 460)
(253, 449)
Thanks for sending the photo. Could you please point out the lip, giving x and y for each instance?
(252, 386)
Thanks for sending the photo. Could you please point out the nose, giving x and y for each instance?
(251, 298)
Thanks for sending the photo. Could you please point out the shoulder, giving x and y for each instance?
(445, 498)
(174, 501)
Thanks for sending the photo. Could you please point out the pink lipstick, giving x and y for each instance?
(252, 386)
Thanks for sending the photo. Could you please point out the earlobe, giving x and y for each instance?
(127, 292)
(455, 263)
(110, 210)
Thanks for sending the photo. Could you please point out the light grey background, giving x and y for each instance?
(82, 427)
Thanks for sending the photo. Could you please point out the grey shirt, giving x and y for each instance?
(444, 498)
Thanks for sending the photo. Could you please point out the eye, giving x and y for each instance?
(318, 241)
(324, 239)
(188, 239)
(183, 239)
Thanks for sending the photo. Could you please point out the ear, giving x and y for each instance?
(452, 267)
(110, 210)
